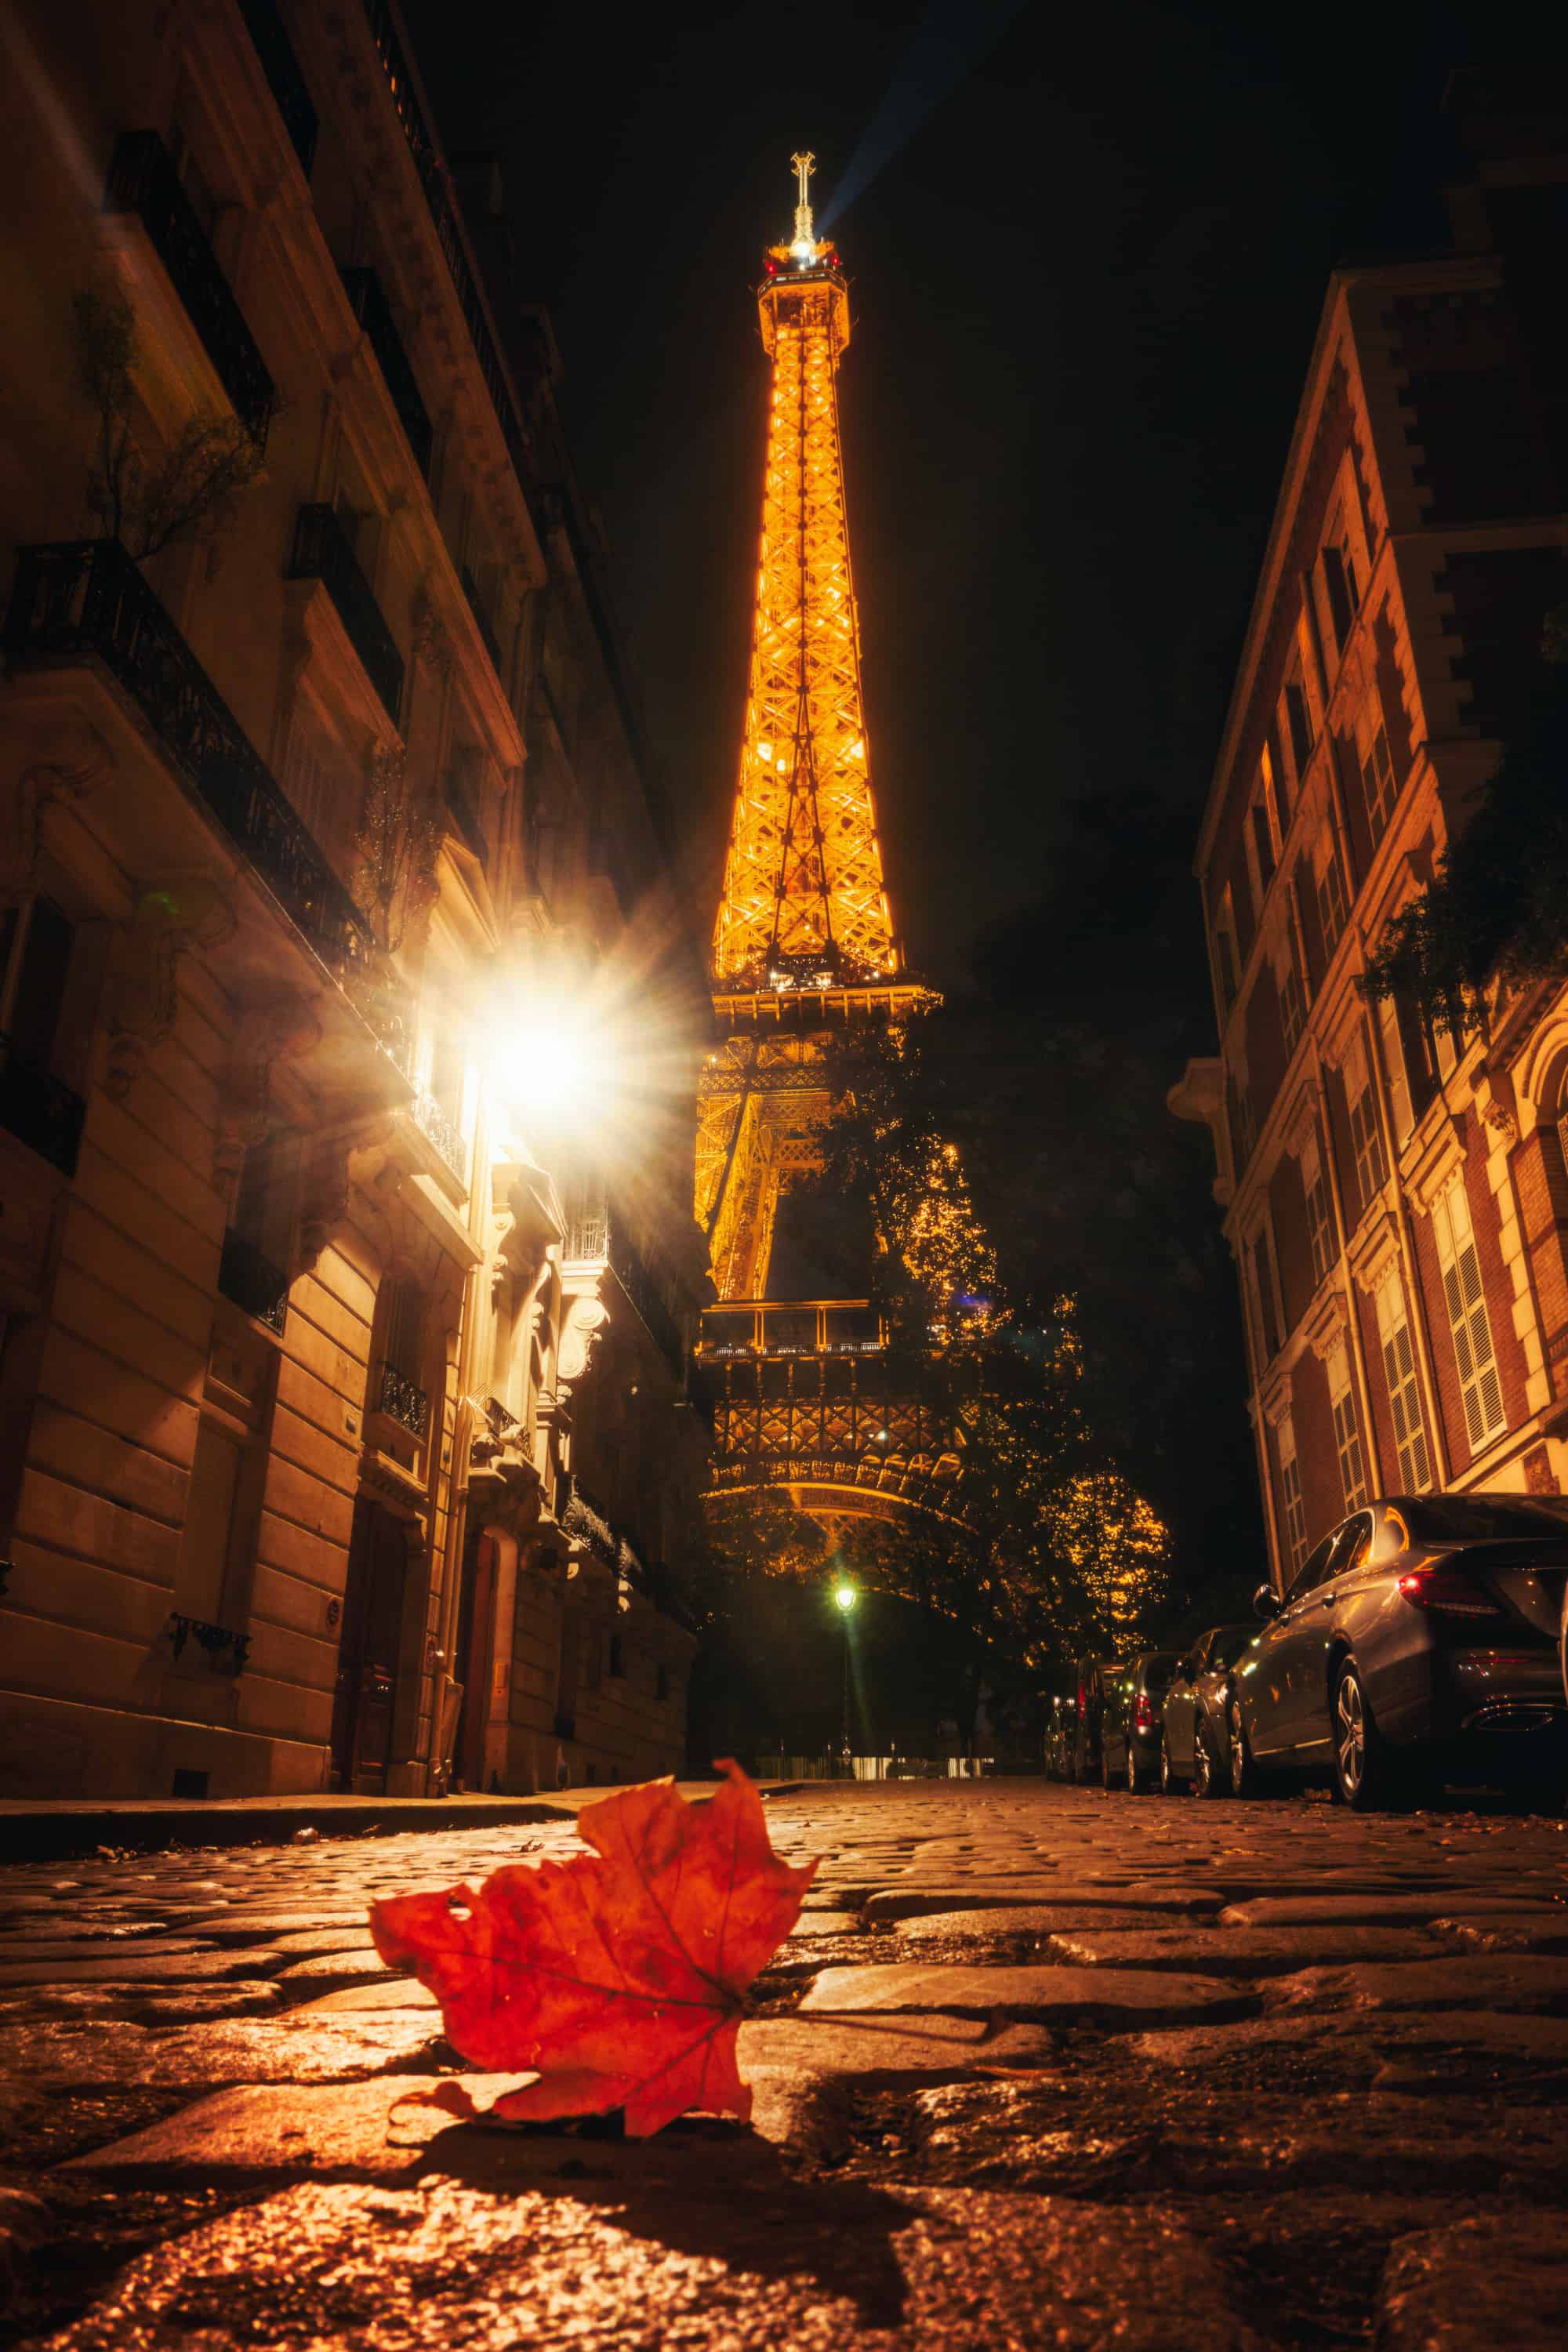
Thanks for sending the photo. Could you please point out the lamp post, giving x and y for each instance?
(845, 1597)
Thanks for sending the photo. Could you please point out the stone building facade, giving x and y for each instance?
(1395, 1195)
(344, 1437)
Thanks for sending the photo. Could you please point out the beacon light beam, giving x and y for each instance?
(953, 38)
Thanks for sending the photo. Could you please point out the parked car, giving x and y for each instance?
(1418, 1639)
(1095, 1677)
(1130, 1731)
(1194, 1750)
(1061, 1737)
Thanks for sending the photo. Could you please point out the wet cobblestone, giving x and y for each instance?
(1042, 2066)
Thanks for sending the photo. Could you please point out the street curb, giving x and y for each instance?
(70, 1832)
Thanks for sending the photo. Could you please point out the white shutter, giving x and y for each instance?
(1399, 1107)
(1347, 1431)
(1290, 1495)
(1403, 1394)
(1480, 1389)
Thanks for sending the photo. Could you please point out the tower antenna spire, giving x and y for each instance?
(804, 234)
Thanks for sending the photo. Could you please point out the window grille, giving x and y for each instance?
(1403, 1394)
(1377, 777)
(1479, 1386)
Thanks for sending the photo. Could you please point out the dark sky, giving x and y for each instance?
(1088, 252)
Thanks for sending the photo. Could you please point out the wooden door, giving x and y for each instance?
(368, 1651)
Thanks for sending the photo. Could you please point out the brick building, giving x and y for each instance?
(1395, 1195)
(344, 1431)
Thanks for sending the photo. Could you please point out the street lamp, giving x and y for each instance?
(845, 1597)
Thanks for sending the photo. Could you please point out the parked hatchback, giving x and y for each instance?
(1194, 1750)
(1418, 1640)
(1129, 1732)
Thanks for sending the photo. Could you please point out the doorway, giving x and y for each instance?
(476, 1649)
(366, 1692)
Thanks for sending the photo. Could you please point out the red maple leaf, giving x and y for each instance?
(618, 1977)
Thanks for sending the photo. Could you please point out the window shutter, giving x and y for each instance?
(1403, 1395)
(1290, 1496)
(1399, 1102)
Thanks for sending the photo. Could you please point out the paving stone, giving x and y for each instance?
(363, 2000)
(129, 1965)
(1492, 1933)
(1495, 1981)
(825, 1923)
(144, 2004)
(63, 2056)
(1377, 1909)
(1238, 1951)
(899, 1903)
(886, 2271)
(1130, 1996)
(336, 1967)
(1012, 1919)
(937, 2043)
(1479, 2285)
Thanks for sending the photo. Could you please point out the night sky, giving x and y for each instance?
(1087, 251)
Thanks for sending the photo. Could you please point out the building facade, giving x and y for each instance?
(345, 1432)
(1395, 1195)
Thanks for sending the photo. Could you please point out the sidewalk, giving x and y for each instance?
(66, 1827)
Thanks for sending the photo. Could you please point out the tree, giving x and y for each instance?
(399, 840)
(191, 492)
(1495, 914)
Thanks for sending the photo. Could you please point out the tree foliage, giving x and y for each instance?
(191, 490)
(1496, 911)
(399, 840)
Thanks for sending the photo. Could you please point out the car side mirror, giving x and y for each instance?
(1265, 1602)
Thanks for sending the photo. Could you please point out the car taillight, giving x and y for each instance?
(1082, 1698)
(1143, 1715)
(1448, 1588)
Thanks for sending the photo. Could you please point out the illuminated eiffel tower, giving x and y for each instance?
(803, 948)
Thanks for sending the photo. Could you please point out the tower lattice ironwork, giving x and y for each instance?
(802, 947)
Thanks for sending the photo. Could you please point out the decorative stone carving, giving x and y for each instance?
(266, 1034)
(1277, 1403)
(1329, 1329)
(77, 759)
(1303, 1120)
(144, 995)
(586, 1321)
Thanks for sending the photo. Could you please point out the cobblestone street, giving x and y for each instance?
(1041, 2066)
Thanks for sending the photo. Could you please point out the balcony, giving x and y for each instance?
(38, 1110)
(403, 1401)
(291, 95)
(322, 552)
(142, 180)
(448, 1138)
(84, 600)
(249, 1280)
(824, 1327)
(465, 817)
(598, 1234)
(371, 308)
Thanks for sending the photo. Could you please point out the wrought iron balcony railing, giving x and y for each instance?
(597, 1234)
(39, 1109)
(368, 302)
(403, 1401)
(142, 180)
(465, 817)
(250, 1281)
(443, 1132)
(287, 83)
(322, 552)
(433, 179)
(86, 600)
(223, 1648)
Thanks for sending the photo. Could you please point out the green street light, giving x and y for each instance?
(845, 1596)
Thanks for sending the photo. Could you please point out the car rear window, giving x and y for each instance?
(1158, 1673)
(1475, 1519)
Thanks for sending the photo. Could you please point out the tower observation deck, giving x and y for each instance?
(803, 946)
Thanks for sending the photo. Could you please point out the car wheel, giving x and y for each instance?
(1207, 1779)
(1243, 1770)
(1170, 1782)
(1137, 1781)
(1105, 1779)
(1364, 1773)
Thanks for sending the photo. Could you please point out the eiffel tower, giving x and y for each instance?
(804, 949)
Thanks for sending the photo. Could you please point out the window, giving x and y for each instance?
(1479, 1387)
(1245, 1127)
(1376, 768)
(1265, 1294)
(1294, 1510)
(1292, 1011)
(37, 943)
(1277, 781)
(402, 1391)
(1340, 586)
(1224, 959)
(1401, 1111)
(1347, 1434)
(1403, 1394)
(1319, 1215)
(1262, 844)
(1331, 892)
(1366, 1136)
(1297, 723)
